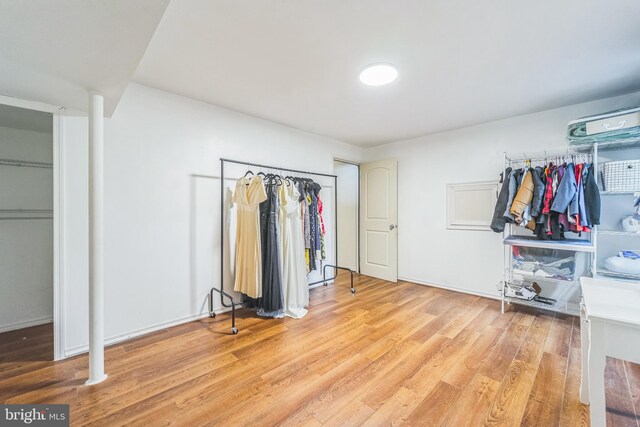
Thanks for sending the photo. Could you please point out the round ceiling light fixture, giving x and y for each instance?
(378, 74)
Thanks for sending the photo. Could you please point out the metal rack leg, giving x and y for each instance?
(233, 305)
(335, 267)
(353, 289)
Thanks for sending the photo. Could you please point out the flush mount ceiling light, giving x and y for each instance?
(378, 74)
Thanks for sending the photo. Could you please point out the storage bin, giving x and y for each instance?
(544, 263)
(614, 125)
(621, 176)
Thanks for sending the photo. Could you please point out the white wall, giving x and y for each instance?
(162, 201)
(470, 261)
(347, 214)
(162, 205)
(26, 245)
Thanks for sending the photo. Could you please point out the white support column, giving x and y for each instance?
(96, 239)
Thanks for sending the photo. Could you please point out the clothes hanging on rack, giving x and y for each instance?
(306, 221)
(272, 303)
(289, 236)
(315, 189)
(294, 277)
(498, 221)
(248, 195)
(313, 225)
(591, 197)
(521, 206)
(323, 252)
(513, 187)
(229, 301)
(549, 200)
(538, 191)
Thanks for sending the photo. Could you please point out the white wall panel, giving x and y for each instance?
(466, 260)
(162, 241)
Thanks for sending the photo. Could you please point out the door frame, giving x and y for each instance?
(356, 164)
(58, 215)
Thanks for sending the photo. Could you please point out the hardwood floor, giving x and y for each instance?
(393, 354)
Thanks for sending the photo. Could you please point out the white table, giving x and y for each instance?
(610, 326)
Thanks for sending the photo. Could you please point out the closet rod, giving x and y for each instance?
(26, 211)
(514, 156)
(25, 163)
(277, 168)
(577, 157)
(4, 218)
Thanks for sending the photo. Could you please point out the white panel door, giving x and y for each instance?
(379, 219)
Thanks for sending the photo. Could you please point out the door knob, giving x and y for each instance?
(391, 227)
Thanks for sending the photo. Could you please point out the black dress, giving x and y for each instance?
(272, 302)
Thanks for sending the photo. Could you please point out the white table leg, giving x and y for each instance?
(584, 353)
(597, 360)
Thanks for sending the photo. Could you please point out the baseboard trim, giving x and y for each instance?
(26, 324)
(449, 287)
(84, 348)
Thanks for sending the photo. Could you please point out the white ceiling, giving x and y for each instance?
(460, 63)
(21, 118)
(55, 51)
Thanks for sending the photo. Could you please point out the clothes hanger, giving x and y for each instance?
(246, 174)
(273, 179)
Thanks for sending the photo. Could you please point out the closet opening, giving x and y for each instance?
(348, 220)
(27, 235)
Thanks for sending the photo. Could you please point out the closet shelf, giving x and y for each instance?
(534, 278)
(617, 233)
(609, 273)
(618, 193)
(618, 144)
(576, 245)
(564, 307)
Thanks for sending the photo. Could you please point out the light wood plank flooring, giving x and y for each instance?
(393, 354)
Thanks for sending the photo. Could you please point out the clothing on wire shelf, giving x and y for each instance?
(549, 200)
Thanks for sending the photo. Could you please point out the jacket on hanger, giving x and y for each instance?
(523, 198)
(498, 221)
(513, 188)
(538, 191)
(566, 190)
(592, 197)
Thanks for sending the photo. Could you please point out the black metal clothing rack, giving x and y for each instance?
(233, 304)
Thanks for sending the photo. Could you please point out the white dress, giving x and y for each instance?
(294, 272)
